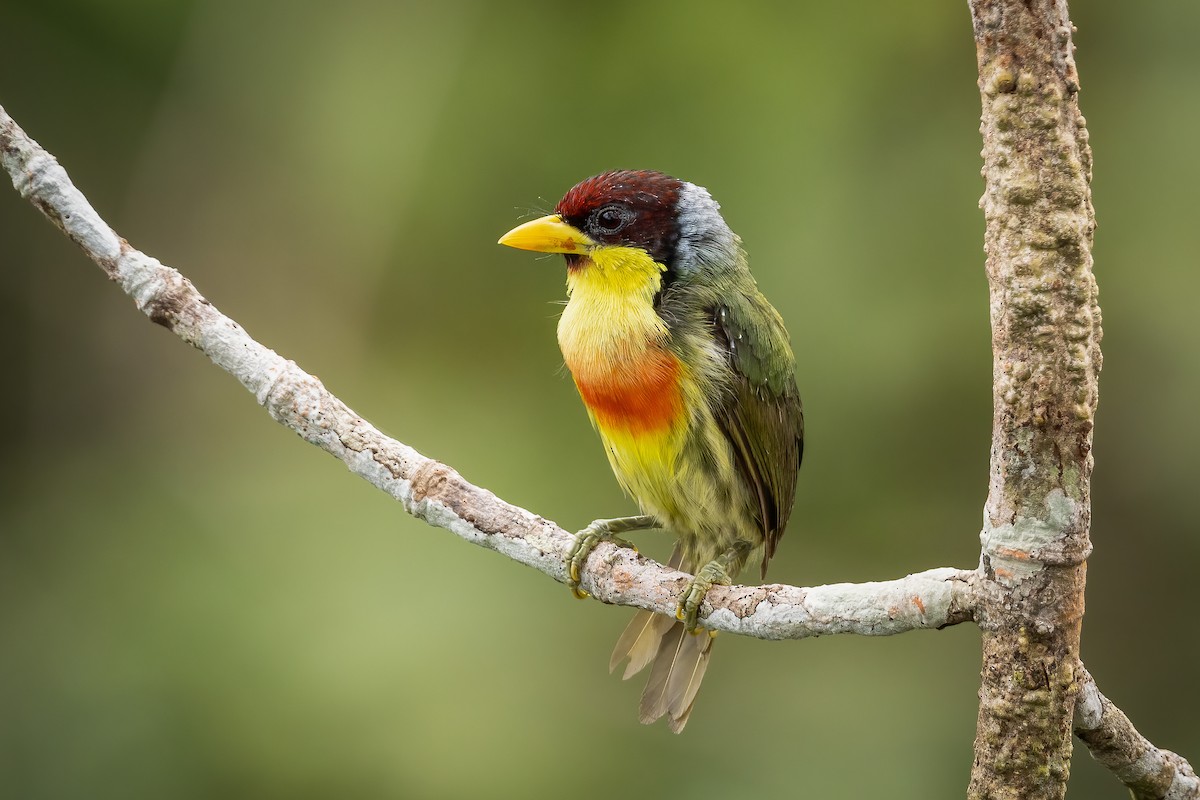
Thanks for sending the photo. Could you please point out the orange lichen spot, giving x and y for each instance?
(1013, 553)
(919, 603)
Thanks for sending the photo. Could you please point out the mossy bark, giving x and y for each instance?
(1045, 339)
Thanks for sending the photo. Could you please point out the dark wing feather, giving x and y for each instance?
(761, 414)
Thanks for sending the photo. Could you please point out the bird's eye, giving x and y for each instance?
(610, 218)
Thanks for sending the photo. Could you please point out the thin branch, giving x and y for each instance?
(1150, 773)
(435, 493)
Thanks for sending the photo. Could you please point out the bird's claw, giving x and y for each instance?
(688, 610)
(585, 542)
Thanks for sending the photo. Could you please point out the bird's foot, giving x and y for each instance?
(602, 530)
(711, 574)
(715, 572)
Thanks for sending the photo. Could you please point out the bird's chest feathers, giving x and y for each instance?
(615, 345)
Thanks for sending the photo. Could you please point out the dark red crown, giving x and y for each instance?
(627, 208)
(640, 189)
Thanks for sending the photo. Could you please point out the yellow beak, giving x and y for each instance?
(547, 235)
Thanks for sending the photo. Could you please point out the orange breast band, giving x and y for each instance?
(638, 397)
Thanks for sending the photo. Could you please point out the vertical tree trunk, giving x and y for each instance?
(1045, 342)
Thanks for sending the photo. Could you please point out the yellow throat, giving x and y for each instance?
(633, 386)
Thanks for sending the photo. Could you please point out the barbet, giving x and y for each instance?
(687, 374)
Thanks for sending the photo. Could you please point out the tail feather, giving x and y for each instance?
(640, 639)
(690, 665)
(654, 697)
(675, 678)
(639, 642)
(680, 660)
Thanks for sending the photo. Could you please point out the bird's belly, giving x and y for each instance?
(646, 465)
(668, 453)
(687, 481)
(638, 408)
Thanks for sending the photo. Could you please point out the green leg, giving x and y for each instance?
(717, 571)
(602, 530)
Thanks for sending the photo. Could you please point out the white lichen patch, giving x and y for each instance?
(1016, 549)
(881, 608)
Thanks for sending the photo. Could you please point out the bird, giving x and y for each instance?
(688, 375)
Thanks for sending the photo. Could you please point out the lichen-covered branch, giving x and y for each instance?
(1046, 361)
(434, 492)
(1150, 773)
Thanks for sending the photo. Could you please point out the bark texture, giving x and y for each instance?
(1045, 341)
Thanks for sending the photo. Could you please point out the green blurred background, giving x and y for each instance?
(195, 603)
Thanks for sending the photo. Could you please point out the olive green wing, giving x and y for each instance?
(761, 414)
